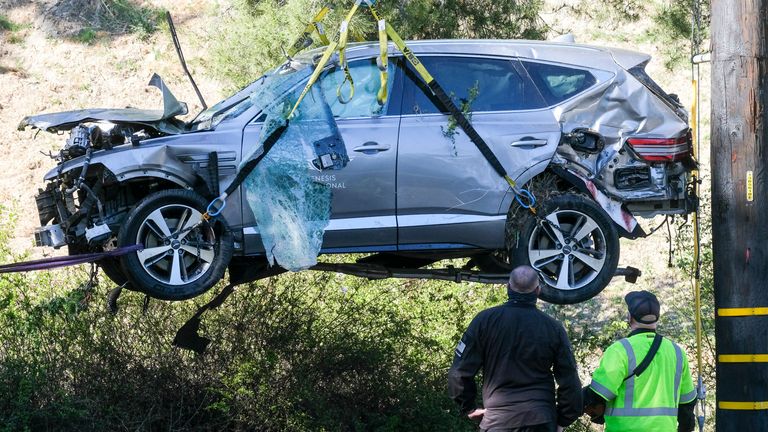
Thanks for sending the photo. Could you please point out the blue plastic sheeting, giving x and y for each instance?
(291, 209)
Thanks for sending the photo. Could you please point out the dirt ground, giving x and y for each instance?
(43, 69)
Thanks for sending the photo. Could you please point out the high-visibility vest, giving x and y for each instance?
(648, 402)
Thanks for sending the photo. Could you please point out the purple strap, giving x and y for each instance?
(63, 261)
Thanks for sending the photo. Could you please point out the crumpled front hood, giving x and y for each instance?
(162, 120)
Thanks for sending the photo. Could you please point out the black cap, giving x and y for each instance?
(642, 303)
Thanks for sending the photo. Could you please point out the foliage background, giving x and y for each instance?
(303, 351)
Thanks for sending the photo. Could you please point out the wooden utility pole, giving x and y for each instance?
(740, 211)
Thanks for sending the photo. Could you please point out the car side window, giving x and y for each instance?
(558, 83)
(485, 84)
(365, 74)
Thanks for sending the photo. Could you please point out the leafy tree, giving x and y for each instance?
(253, 34)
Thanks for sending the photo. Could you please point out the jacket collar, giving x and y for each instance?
(522, 299)
(640, 331)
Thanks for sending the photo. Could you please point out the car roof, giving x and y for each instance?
(577, 54)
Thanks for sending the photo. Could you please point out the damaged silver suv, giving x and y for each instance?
(584, 129)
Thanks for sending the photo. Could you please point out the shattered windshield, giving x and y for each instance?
(290, 206)
(275, 82)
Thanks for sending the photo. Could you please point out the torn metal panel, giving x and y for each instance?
(617, 109)
(162, 120)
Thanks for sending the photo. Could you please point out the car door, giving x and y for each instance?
(363, 205)
(448, 195)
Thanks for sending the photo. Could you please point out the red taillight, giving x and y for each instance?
(662, 149)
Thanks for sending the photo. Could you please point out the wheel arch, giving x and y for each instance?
(566, 180)
(575, 207)
(161, 282)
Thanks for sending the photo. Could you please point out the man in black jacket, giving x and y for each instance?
(520, 349)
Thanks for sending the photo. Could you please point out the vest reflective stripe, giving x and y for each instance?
(678, 370)
(629, 385)
(602, 390)
(641, 412)
(688, 397)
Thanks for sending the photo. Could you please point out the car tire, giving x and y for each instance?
(173, 265)
(576, 261)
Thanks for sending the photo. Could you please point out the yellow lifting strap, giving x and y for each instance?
(403, 47)
(342, 46)
(305, 39)
(383, 63)
(524, 197)
(695, 220)
(329, 50)
(418, 66)
(321, 33)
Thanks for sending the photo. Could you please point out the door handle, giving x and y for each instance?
(529, 143)
(371, 147)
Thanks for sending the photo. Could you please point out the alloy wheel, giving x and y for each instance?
(176, 252)
(568, 248)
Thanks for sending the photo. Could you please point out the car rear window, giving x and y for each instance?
(558, 83)
(487, 84)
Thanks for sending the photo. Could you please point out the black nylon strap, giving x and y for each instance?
(648, 357)
(462, 121)
(187, 336)
(251, 164)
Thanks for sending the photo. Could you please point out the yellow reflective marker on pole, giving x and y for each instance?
(743, 358)
(741, 312)
(751, 406)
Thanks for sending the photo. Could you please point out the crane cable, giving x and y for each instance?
(696, 58)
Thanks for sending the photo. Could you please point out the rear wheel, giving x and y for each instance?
(182, 258)
(574, 246)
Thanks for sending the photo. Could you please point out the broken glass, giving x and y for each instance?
(291, 209)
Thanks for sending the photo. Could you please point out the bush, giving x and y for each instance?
(254, 33)
(6, 24)
(304, 351)
(672, 30)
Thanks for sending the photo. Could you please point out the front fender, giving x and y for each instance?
(133, 162)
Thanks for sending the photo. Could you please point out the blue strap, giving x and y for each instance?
(528, 197)
(212, 210)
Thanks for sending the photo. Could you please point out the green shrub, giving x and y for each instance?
(308, 351)
(126, 16)
(253, 34)
(6, 24)
(114, 17)
(86, 36)
(672, 30)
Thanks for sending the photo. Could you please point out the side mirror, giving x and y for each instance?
(583, 140)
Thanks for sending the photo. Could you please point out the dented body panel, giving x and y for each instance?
(406, 187)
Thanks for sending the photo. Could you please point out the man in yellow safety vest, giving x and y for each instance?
(643, 380)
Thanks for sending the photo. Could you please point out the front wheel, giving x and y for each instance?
(574, 246)
(182, 258)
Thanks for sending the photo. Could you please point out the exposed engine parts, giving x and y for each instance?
(75, 198)
(99, 136)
